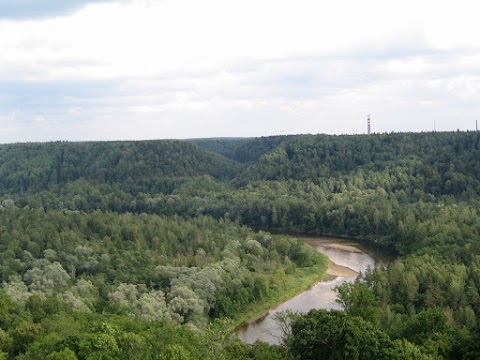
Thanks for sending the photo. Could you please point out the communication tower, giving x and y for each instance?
(368, 124)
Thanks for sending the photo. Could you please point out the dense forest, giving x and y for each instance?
(126, 250)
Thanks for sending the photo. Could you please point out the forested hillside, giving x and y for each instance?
(146, 166)
(243, 150)
(226, 147)
(436, 163)
(145, 249)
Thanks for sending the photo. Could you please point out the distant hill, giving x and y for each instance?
(438, 163)
(243, 150)
(139, 165)
(227, 147)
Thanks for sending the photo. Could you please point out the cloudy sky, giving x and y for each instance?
(154, 69)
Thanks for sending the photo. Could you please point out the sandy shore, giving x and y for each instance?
(344, 247)
(333, 244)
(339, 270)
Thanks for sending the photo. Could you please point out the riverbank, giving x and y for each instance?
(347, 259)
(298, 283)
(369, 245)
(293, 285)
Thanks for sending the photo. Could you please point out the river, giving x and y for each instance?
(348, 259)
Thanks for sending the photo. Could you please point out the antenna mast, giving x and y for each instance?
(368, 124)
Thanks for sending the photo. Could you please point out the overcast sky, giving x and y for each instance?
(140, 69)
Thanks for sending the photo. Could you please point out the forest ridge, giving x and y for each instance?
(438, 156)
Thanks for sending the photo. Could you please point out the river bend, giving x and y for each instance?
(348, 258)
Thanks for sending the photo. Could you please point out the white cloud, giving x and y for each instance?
(150, 38)
(184, 68)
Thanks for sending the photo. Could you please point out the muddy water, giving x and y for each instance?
(348, 259)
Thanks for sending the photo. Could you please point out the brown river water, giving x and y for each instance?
(348, 258)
